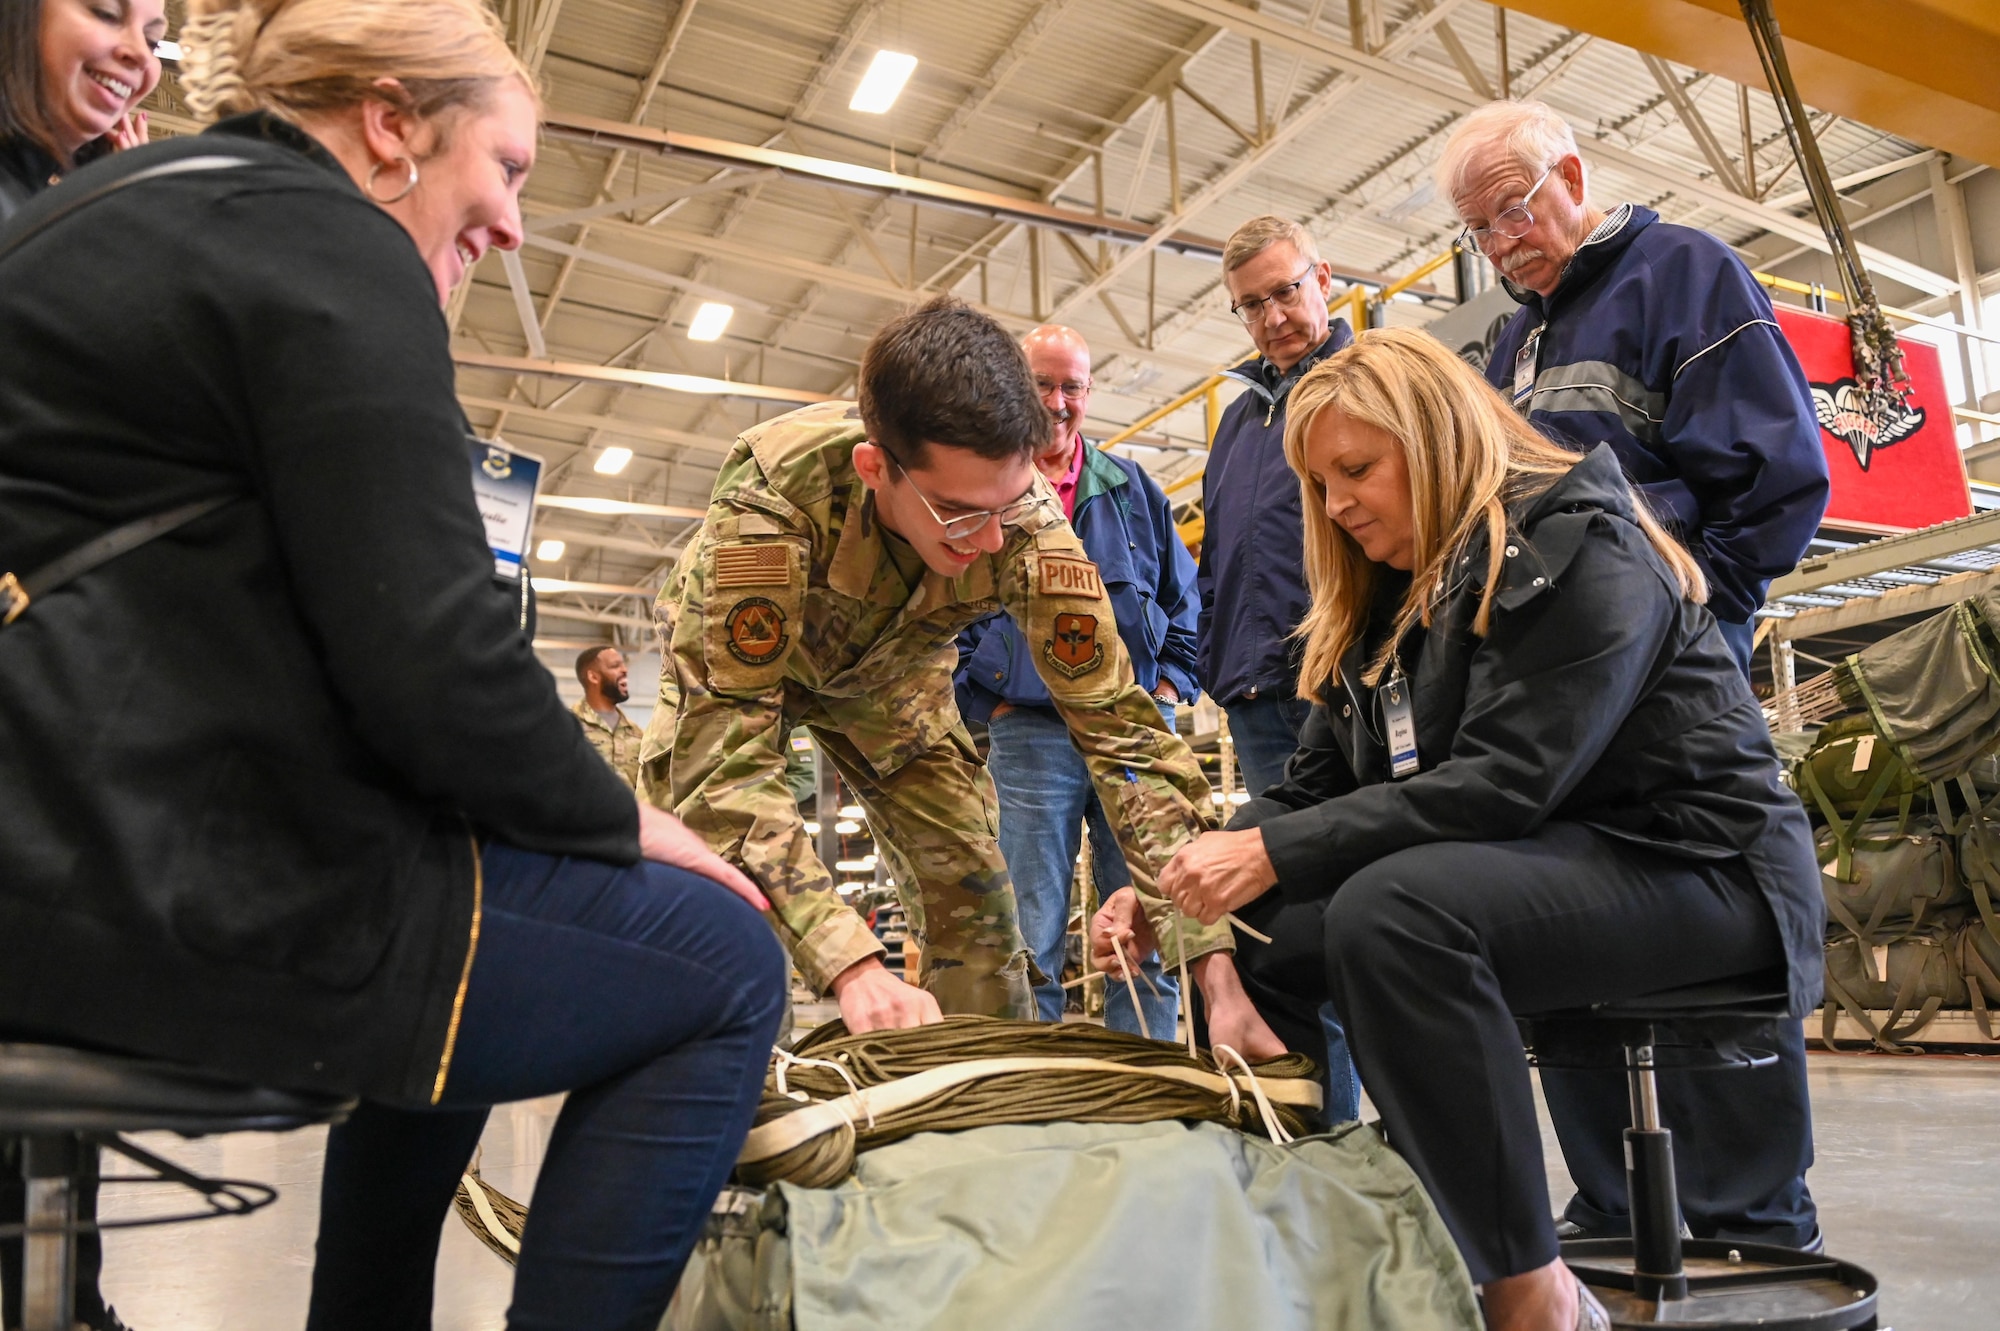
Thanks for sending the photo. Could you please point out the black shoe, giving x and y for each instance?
(108, 1322)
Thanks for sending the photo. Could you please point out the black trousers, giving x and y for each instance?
(1742, 1145)
(1428, 953)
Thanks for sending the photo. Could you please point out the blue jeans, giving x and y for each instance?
(1265, 732)
(652, 996)
(1045, 799)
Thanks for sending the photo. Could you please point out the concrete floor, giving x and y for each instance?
(1905, 1184)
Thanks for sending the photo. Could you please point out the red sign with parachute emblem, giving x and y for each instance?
(1902, 474)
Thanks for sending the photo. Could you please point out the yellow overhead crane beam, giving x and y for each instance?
(1923, 69)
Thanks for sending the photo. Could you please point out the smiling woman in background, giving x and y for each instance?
(71, 72)
(287, 795)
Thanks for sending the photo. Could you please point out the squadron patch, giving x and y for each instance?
(756, 631)
(1073, 648)
(1067, 576)
(760, 564)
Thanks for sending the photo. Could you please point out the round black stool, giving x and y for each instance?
(1656, 1277)
(65, 1103)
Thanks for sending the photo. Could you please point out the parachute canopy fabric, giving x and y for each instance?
(1933, 689)
(1086, 1226)
(837, 1094)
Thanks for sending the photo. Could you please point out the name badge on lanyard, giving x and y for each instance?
(1524, 367)
(1399, 718)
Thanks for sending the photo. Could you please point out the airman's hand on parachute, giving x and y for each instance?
(1121, 918)
(871, 999)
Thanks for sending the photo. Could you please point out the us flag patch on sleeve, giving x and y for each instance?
(760, 564)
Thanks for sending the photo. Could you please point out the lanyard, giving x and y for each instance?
(1399, 719)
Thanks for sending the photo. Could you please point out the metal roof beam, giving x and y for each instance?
(1378, 69)
(609, 424)
(1331, 94)
(1694, 123)
(624, 544)
(699, 385)
(868, 180)
(848, 279)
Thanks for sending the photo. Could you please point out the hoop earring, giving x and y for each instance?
(368, 187)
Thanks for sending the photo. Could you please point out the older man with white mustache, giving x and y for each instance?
(1656, 339)
(1652, 337)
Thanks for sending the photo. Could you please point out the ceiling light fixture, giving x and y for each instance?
(550, 551)
(883, 83)
(710, 318)
(846, 828)
(612, 461)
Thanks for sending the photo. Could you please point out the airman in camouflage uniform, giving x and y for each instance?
(619, 744)
(791, 608)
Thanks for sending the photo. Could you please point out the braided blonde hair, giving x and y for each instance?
(302, 56)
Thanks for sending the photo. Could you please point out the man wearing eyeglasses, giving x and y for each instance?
(1252, 579)
(845, 548)
(1127, 529)
(1655, 338)
(1649, 336)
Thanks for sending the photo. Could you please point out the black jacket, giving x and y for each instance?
(25, 171)
(1600, 696)
(1252, 575)
(242, 768)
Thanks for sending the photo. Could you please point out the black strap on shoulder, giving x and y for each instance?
(17, 591)
(180, 166)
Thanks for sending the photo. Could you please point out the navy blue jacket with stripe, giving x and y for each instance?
(1659, 342)
(1252, 577)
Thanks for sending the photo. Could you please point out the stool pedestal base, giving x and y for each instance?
(1731, 1286)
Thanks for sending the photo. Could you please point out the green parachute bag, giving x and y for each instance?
(1900, 878)
(1031, 1225)
(1908, 981)
(1933, 690)
(1977, 828)
(1978, 958)
(1849, 774)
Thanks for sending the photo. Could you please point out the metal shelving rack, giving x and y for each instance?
(1844, 593)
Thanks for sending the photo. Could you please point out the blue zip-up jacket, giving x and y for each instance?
(1659, 342)
(1253, 562)
(1127, 528)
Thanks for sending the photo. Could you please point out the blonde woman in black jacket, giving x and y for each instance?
(1532, 778)
(287, 794)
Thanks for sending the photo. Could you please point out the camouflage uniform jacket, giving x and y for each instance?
(618, 744)
(788, 609)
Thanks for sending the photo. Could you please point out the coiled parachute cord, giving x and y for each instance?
(969, 1072)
